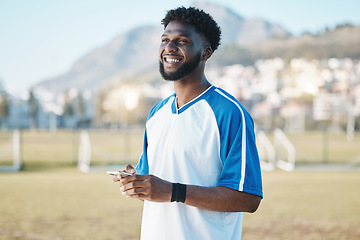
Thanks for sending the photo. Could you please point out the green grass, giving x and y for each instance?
(51, 199)
(307, 205)
(331, 148)
(67, 204)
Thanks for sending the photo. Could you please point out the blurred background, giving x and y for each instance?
(77, 80)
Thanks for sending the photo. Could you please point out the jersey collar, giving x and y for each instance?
(174, 108)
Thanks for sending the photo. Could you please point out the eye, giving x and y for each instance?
(183, 41)
(164, 40)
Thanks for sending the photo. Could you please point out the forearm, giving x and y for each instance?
(221, 199)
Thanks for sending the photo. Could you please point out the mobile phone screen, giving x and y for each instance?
(123, 174)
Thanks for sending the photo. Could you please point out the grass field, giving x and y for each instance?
(67, 204)
(51, 199)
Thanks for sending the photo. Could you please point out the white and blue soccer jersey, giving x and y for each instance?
(208, 142)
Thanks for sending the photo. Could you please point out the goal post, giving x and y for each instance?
(84, 157)
(101, 150)
(285, 151)
(266, 152)
(11, 150)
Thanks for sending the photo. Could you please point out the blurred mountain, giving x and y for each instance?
(136, 52)
(126, 55)
(342, 42)
(237, 30)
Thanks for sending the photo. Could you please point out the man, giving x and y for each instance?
(200, 168)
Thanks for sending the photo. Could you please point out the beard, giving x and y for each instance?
(182, 71)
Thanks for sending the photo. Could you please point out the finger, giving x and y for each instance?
(116, 178)
(134, 192)
(130, 169)
(130, 185)
(137, 196)
(134, 187)
(124, 181)
(134, 178)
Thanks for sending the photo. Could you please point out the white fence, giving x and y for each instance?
(281, 153)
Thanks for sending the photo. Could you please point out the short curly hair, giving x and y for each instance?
(202, 21)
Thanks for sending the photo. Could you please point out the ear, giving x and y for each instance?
(206, 53)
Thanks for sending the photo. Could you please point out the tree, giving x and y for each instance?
(68, 110)
(80, 111)
(100, 112)
(33, 110)
(4, 107)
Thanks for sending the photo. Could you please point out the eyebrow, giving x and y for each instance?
(180, 35)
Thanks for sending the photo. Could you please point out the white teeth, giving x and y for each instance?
(172, 60)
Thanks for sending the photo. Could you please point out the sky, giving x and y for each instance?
(41, 39)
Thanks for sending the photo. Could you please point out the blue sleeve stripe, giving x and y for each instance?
(243, 150)
(143, 166)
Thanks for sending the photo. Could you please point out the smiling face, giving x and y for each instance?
(180, 51)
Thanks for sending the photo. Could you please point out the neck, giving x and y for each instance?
(188, 89)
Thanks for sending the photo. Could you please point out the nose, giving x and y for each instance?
(171, 46)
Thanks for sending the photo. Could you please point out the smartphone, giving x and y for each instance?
(122, 173)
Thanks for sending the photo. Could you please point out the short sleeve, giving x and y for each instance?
(238, 151)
